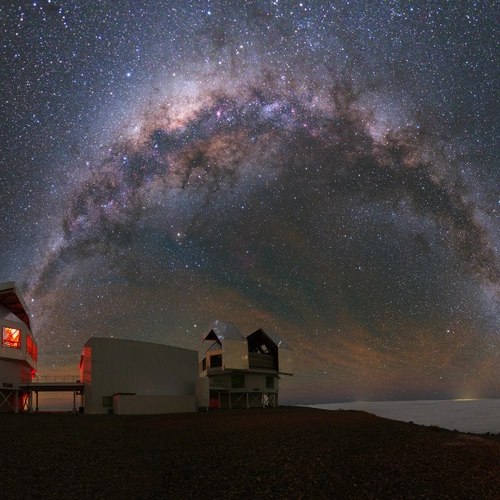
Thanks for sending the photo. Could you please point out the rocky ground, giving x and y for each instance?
(282, 453)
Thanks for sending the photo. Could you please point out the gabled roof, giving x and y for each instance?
(11, 299)
(220, 331)
(261, 336)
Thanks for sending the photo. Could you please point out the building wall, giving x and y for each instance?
(203, 392)
(12, 353)
(12, 373)
(16, 363)
(253, 382)
(124, 404)
(235, 354)
(129, 367)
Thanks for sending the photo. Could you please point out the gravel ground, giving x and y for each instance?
(282, 453)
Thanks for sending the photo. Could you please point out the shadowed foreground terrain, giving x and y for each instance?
(259, 453)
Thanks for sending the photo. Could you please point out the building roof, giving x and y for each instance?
(11, 299)
(138, 343)
(220, 331)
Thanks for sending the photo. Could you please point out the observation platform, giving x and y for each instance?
(52, 383)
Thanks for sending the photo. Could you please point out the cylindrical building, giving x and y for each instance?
(18, 350)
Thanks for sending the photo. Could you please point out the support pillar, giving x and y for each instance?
(36, 401)
(16, 401)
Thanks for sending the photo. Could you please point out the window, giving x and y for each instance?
(11, 337)
(269, 382)
(216, 361)
(107, 401)
(204, 364)
(238, 381)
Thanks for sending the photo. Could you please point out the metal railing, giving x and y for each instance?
(55, 378)
(217, 384)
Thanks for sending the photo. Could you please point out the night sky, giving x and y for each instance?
(328, 171)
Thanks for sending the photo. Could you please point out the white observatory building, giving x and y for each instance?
(244, 372)
(18, 350)
(129, 377)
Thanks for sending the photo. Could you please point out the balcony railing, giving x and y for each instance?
(47, 379)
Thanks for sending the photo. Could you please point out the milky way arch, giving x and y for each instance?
(267, 141)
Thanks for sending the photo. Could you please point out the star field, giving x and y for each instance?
(324, 170)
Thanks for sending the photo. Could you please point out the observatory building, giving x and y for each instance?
(129, 377)
(18, 351)
(244, 372)
(134, 377)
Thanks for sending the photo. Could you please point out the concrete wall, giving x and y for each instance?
(203, 392)
(125, 404)
(113, 366)
(11, 376)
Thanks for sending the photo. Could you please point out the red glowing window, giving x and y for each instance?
(31, 347)
(11, 337)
